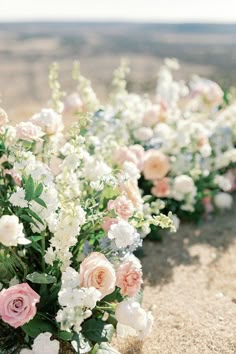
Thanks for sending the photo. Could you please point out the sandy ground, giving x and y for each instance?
(190, 283)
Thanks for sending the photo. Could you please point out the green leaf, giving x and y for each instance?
(98, 331)
(28, 219)
(36, 326)
(41, 278)
(32, 213)
(41, 202)
(38, 190)
(35, 238)
(29, 189)
(66, 336)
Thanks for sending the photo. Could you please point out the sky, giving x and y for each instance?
(115, 10)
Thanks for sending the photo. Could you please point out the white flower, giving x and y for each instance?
(223, 182)
(176, 221)
(143, 134)
(70, 278)
(131, 170)
(18, 198)
(49, 120)
(183, 184)
(123, 234)
(223, 200)
(95, 169)
(133, 320)
(11, 231)
(44, 341)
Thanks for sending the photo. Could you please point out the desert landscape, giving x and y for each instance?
(189, 276)
(28, 49)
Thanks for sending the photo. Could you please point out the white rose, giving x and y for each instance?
(123, 234)
(223, 200)
(44, 341)
(11, 231)
(28, 131)
(143, 134)
(49, 120)
(183, 184)
(133, 320)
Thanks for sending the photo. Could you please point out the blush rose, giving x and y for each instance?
(18, 304)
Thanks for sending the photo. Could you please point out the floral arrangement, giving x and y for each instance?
(70, 223)
(180, 144)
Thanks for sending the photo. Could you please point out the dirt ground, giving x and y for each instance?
(190, 284)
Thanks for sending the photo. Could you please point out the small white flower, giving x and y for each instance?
(123, 234)
(18, 198)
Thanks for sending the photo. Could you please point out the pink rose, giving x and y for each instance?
(107, 222)
(28, 131)
(132, 154)
(129, 276)
(206, 201)
(96, 271)
(18, 304)
(161, 188)
(122, 206)
(156, 165)
(131, 191)
(14, 175)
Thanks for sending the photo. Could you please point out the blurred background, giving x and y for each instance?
(202, 35)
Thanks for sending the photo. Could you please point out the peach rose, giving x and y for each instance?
(129, 276)
(161, 188)
(96, 271)
(134, 154)
(151, 117)
(156, 165)
(107, 222)
(18, 304)
(131, 190)
(122, 206)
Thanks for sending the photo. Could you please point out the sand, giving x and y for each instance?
(190, 284)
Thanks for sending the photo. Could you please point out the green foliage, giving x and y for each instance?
(97, 331)
(41, 278)
(38, 325)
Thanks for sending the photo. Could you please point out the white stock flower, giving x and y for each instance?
(11, 231)
(18, 198)
(123, 234)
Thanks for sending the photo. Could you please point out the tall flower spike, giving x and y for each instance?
(55, 87)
